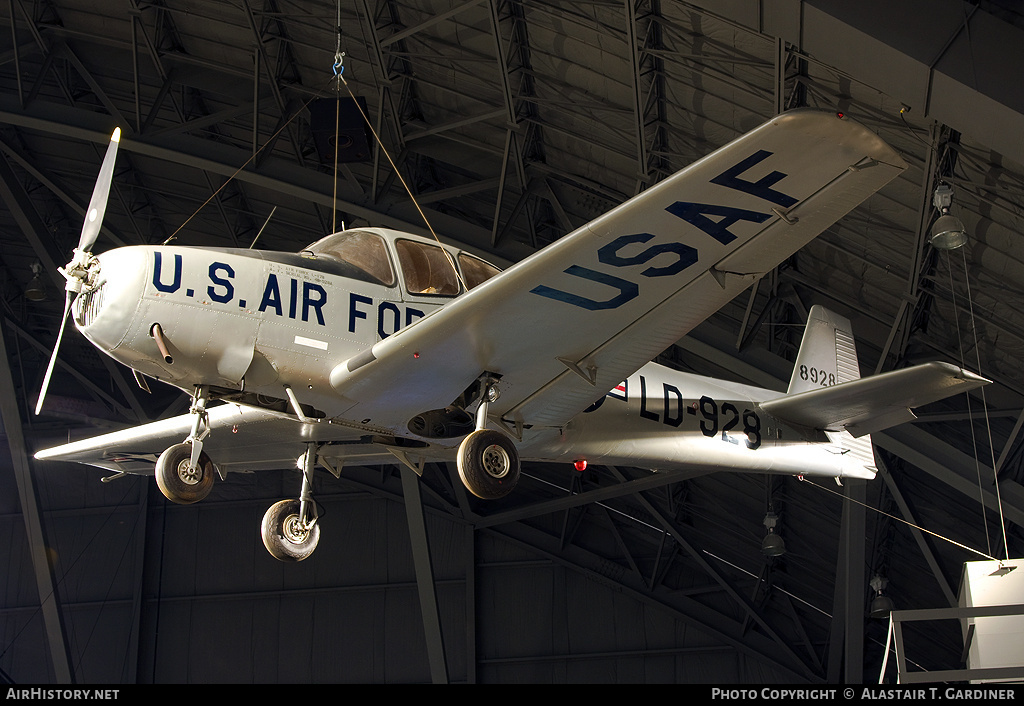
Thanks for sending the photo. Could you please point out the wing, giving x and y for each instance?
(245, 439)
(872, 404)
(568, 323)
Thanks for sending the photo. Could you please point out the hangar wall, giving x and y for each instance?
(350, 613)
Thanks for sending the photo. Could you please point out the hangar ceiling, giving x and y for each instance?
(512, 122)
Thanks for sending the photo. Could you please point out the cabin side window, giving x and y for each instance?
(427, 268)
(475, 270)
(364, 250)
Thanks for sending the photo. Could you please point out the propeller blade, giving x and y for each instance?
(98, 202)
(76, 271)
(53, 356)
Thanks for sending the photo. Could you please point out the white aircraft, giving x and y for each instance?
(372, 345)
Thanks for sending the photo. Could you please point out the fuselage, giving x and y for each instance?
(664, 419)
(258, 322)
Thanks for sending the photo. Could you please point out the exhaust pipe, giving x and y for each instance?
(161, 342)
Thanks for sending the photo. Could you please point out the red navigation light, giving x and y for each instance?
(580, 464)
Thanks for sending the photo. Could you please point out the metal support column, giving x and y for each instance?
(470, 558)
(846, 644)
(52, 618)
(854, 551)
(424, 575)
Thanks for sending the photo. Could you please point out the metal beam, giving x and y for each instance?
(16, 50)
(31, 225)
(852, 552)
(639, 115)
(284, 178)
(924, 70)
(138, 592)
(679, 606)
(911, 301)
(265, 63)
(427, 132)
(57, 188)
(457, 191)
(596, 496)
(946, 464)
(409, 31)
(424, 575)
(32, 514)
(94, 85)
(922, 542)
(98, 394)
(698, 556)
(469, 534)
(1009, 443)
(513, 152)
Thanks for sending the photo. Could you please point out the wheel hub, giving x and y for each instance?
(293, 530)
(496, 462)
(187, 474)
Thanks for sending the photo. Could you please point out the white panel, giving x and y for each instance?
(998, 641)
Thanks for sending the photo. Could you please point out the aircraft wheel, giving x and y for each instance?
(488, 464)
(284, 535)
(177, 481)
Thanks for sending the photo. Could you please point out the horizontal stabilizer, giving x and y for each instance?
(872, 404)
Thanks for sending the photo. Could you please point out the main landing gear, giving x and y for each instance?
(488, 460)
(290, 531)
(184, 473)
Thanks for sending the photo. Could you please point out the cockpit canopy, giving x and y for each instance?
(427, 269)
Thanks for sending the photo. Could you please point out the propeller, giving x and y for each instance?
(78, 270)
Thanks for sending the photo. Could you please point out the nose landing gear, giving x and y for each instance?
(286, 535)
(290, 530)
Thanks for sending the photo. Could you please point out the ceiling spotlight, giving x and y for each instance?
(772, 544)
(36, 289)
(881, 604)
(948, 231)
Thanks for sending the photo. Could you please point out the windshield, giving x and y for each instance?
(364, 250)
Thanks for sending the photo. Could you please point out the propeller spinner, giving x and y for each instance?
(79, 273)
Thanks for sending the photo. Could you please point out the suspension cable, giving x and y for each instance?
(900, 519)
(984, 403)
(970, 421)
(398, 173)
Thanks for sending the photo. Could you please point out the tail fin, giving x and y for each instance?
(828, 356)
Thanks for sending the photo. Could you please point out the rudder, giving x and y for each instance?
(828, 356)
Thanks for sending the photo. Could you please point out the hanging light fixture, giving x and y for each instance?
(772, 544)
(881, 604)
(948, 231)
(36, 289)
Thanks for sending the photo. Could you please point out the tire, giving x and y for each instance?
(488, 464)
(176, 482)
(282, 534)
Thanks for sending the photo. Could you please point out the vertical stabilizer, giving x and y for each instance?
(827, 357)
(827, 354)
